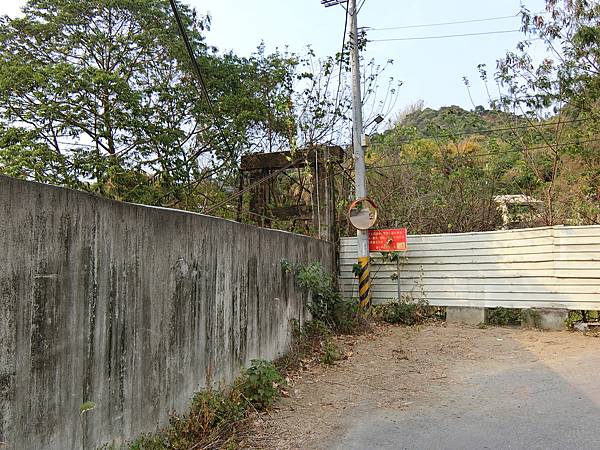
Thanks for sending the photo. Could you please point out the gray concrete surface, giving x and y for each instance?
(465, 314)
(552, 319)
(130, 307)
(545, 318)
(520, 404)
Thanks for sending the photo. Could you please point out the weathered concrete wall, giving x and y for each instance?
(131, 307)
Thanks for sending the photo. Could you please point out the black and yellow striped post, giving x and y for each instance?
(362, 213)
(364, 283)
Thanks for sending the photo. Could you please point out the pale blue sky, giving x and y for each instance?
(432, 70)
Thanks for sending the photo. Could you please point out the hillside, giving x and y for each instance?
(439, 170)
(454, 120)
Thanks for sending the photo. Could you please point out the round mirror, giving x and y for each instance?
(362, 213)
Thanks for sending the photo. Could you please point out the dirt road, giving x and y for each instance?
(445, 387)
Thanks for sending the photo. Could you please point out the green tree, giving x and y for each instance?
(103, 92)
(559, 97)
(569, 75)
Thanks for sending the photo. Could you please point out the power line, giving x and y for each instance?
(494, 130)
(514, 150)
(439, 24)
(490, 130)
(337, 94)
(507, 151)
(277, 172)
(248, 188)
(422, 38)
(197, 72)
(411, 163)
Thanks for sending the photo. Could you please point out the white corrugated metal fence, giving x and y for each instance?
(551, 267)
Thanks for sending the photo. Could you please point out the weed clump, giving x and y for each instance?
(406, 311)
(581, 316)
(504, 316)
(261, 384)
(312, 341)
(215, 416)
(327, 305)
(331, 353)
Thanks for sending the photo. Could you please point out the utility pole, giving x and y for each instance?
(358, 142)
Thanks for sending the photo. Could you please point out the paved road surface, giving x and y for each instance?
(524, 403)
(446, 387)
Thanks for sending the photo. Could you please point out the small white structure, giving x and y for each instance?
(516, 209)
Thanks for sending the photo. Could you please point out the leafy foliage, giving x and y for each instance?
(440, 171)
(87, 406)
(325, 296)
(99, 95)
(210, 421)
(326, 304)
(311, 342)
(504, 316)
(568, 77)
(323, 98)
(405, 311)
(331, 353)
(214, 415)
(564, 88)
(575, 317)
(261, 383)
(427, 175)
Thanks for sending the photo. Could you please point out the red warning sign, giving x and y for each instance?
(393, 240)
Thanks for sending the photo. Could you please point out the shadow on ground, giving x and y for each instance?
(449, 387)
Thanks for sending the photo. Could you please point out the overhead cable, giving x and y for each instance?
(514, 150)
(489, 130)
(337, 94)
(445, 36)
(198, 72)
(494, 130)
(439, 24)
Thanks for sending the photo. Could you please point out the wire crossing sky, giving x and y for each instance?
(466, 33)
(439, 24)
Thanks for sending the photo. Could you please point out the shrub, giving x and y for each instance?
(209, 422)
(314, 329)
(307, 341)
(504, 316)
(406, 311)
(397, 312)
(215, 415)
(327, 304)
(260, 384)
(577, 316)
(331, 353)
(325, 298)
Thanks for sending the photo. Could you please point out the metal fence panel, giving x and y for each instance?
(550, 267)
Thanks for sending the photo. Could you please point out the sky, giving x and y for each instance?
(431, 70)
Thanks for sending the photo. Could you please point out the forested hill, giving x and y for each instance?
(453, 120)
(438, 171)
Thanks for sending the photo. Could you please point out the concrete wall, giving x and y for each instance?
(550, 267)
(131, 307)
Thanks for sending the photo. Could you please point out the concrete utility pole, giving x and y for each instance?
(358, 140)
(358, 137)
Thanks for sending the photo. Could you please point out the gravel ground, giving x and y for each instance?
(443, 386)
